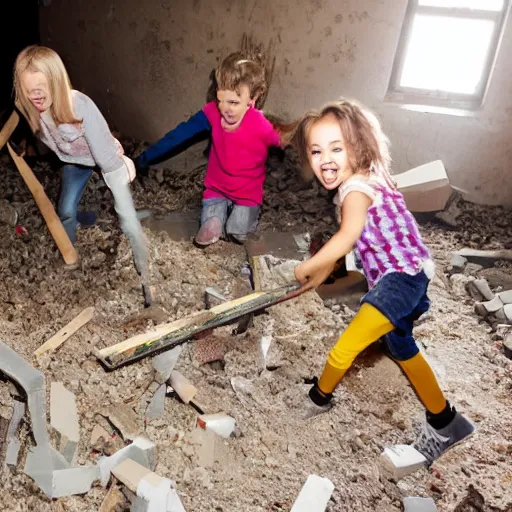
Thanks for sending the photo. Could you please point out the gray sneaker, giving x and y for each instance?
(433, 443)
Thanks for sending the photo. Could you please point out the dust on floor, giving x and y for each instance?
(264, 465)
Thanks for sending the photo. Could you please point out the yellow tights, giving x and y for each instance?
(368, 326)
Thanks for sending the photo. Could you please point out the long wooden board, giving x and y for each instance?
(169, 335)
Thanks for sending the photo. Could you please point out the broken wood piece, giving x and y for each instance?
(8, 128)
(314, 496)
(64, 419)
(157, 491)
(46, 208)
(425, 188)
(172, 334)
(114, 501)
(66, 332)
(183, 387)
(401, 460)
(220, 423)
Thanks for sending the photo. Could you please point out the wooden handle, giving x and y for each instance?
(8, 128)
(47, 210)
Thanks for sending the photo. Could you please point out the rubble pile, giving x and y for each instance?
(216, 423)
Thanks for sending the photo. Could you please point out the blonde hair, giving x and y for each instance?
(367, 145)
(236, 70)
(40, 58)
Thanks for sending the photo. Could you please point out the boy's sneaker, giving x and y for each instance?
(432, 443)
(210, 232)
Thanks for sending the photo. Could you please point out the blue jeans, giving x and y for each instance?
(402, 299)
(74, 179)
(238, 220)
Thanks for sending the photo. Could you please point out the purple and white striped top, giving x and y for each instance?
(390, 240)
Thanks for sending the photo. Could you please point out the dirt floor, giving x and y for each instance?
(263, 466)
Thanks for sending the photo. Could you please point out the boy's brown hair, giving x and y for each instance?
(366, 143)
(236, 71)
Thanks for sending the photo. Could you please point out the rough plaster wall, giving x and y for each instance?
(146, 63)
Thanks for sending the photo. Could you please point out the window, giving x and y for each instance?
(446, 52)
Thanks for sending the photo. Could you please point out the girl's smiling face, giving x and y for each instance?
(328, 154)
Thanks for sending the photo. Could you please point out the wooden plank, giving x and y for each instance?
(47, 210)
(476, 254)
(8, 128)
(169, 335)
(68, 330)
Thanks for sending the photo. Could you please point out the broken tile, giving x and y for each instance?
(156, 407)
(164, 363)
(123, 417)
(142, 450)
(507, 309)
(314, 496)
(209, 349)
(401, 460)
(183, 387)
(479, 289)
(220, 423)
(64, 419)
(419, 505)
(488, 307)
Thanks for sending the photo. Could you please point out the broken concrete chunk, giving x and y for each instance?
(419, 505)
(507, 309)
(425, 188)
(486, 258)
(488, 307)
(458, 263)
(314, 496)
(165, 362)
(220, 423)
(68, 482)
(123, 417)
(506, 296)
(401, 460)
(13, 443)
(156, 407)
(142, 450)
(479, 289)
(183, 387)
(64, 419)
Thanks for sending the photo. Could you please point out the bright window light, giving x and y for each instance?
(484, 5)
(447, 53)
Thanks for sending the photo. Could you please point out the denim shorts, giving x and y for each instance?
(237, 220)
(402, 299)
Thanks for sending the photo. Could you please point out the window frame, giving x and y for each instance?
(437, 98)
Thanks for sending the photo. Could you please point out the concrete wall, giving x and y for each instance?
(146, 63)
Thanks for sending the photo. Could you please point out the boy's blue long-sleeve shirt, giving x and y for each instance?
(184, 132)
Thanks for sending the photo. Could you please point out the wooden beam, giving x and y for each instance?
(171, 334)
(9, 128)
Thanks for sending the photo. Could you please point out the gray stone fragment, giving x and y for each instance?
(164, 364)
(507, 309)
(419, 505)
(13, 443)
(156, 407)
(488, 307)
(505, 296)
(479, 289)
(68, 482)
(458, 263)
